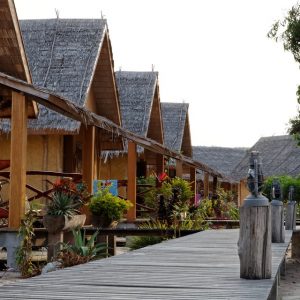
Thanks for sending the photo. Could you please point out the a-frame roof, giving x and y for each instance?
(176, 127)
(71, 57)
(222, 159)
(280, 156)
(140, 103)
(13, 60)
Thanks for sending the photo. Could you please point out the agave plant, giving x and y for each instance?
(81, 251)
(63, 204)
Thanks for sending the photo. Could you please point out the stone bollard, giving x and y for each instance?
(290, 222)
(278, 232)
(254, 246)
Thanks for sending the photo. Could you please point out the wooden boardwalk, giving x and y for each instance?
(204, 265)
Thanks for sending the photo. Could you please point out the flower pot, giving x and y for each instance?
(62, 223)
(103, 221)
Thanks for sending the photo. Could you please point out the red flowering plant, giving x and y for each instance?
(67, 197)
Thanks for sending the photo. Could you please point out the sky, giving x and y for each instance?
(212, 54)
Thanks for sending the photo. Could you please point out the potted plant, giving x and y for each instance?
(62, 212)
(107, 208)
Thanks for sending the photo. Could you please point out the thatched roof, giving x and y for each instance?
(13, 60)
(176, 127)
(136, 95)
(222, 159)
(63, 55)
(280, 156)
(81, 114)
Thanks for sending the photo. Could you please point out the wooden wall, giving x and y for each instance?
(44, 152)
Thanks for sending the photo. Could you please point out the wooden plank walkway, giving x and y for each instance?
(204, 265)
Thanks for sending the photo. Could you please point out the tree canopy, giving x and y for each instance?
(287, 31)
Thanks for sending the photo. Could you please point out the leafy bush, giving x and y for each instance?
(285, 182)
(138, 242)
(148, 194)
(105, 204)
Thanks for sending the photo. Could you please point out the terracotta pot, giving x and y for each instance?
(104, 222)
(62, 223)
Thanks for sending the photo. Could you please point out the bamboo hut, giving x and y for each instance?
(140, 112)
(224, 160)
(177, 134)
(280, 156)
(73, 59)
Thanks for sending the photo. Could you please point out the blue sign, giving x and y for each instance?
(112, 183)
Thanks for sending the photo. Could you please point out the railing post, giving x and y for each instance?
(254, 246)
(278, 232)
(290, 222)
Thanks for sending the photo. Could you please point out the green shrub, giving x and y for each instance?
(285, 182)
(138, 242)
(105, 204)
(149, 194)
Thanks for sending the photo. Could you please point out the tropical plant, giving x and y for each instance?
(138, 242)
(67, 198)
(63, 205)
(106, 205)
(82, 250)
(149, 193)
(24, 251)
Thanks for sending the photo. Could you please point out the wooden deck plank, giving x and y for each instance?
(204, 265)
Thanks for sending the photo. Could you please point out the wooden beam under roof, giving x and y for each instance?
(69, 109)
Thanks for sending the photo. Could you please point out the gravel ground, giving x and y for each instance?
(289, 288)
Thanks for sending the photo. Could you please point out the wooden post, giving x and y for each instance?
(88, 164)
(215, 185)
(54, 244)
(131, 184)
(206, 185)
(255, 242)
(68, 154)
(179, 169)
(160, 165)
(18, 157)
(278, 232)
(296, 244)
(193, 183)
(290, 222)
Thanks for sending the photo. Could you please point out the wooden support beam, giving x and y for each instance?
(18, 160)
(68, 154)
(179, 169)
(160, 164)
(88, 163)
(193, 183)
(215, 185)
(131, 186)
(206, 185)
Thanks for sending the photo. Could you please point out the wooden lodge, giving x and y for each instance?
(72, 58)
(66, 66)
(224, 160)
(141, 114)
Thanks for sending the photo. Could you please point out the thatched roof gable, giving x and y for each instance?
(176, 127)
(280, 156)
(62, 54)
(136, 95)
(13, 60)
(222, 159)
(72, 58)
